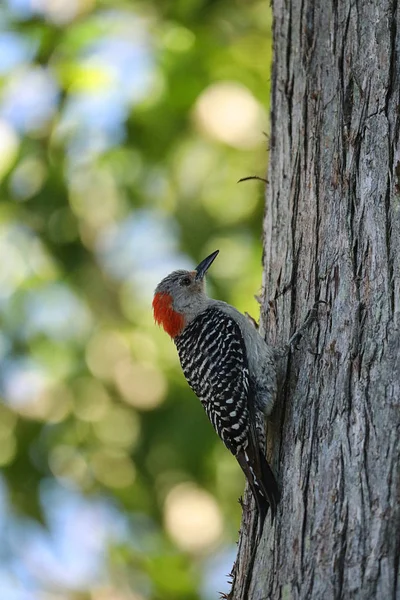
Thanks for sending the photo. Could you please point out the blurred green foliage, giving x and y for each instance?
(124, 127)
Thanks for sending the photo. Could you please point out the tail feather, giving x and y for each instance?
(261, 480)
(271, 490)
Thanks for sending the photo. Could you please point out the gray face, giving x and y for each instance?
(187, 292)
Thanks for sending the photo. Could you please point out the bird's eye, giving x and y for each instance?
(185, 281)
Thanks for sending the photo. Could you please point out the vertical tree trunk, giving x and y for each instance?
(332, 233)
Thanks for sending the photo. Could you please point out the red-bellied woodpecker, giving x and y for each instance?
(228, 366)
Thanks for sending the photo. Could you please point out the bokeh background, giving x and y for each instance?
(124, 127)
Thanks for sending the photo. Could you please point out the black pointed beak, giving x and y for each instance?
(205, 264)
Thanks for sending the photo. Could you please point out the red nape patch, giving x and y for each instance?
(172, 321)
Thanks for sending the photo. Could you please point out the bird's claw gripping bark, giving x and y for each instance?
(290, 346)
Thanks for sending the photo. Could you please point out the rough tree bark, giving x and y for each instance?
(332, 233)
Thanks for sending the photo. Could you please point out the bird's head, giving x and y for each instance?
(180, 297)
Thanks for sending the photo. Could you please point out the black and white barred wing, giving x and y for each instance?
(213, 358)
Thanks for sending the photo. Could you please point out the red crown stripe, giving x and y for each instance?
(172, 321)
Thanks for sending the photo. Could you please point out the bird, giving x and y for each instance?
(230, 368)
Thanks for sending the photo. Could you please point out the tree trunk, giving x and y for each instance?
(332, 233)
